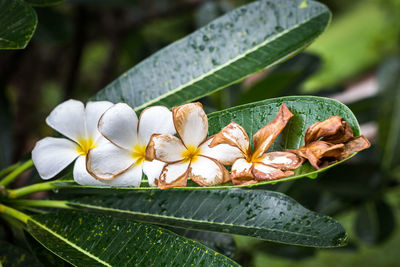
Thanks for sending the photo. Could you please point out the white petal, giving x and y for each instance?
(233, 134)
(191, 123)
(174, 175)
(264, 172)
(155, 120)
(51, 155)
(107, 161)
(93, 111)
(153, 170)
(226, 154)
(132, 177)
(207, 172)
(241, 169)
(165, 147)
(282, 160)
(119, 125)
(68, 118)
(81, 175)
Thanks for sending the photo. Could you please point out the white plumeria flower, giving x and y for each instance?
(71, 119)
(124, 158)
(191, 156)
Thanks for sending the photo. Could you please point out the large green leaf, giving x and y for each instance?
(222, 243)
(45, 257)
(17, 23)
(228, 49)
(87, 239)
(258, 213)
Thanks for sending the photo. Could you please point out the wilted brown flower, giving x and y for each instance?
(329, 141)
(253, 166)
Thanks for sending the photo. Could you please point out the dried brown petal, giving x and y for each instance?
(333, 130)
(264, 137)
(355, 145)
(319, 153)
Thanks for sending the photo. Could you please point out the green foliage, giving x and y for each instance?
(230, 48)
(111, 225)
(259, 213)
(87, 239)
(18, 21)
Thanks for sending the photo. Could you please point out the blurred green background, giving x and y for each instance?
(82, 45)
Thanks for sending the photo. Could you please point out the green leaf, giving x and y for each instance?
(87, 239)
(11, 255)
(17, 23)
(222, 243)
(44, 2)
(225, 51)
(258, 213)
(45, 257)
(389, 113)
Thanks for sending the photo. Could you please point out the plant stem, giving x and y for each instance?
(14, 213)
(16, 172)
(9, 169)
(30, 189)
(41, 203)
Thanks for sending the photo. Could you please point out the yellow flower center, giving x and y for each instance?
(84, 145)
(139, 153)
(191, 153)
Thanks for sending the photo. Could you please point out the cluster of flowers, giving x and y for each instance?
(113, 147)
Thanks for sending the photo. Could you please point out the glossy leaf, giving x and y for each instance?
(17, 23)
(222, 243)
(87, 239)
(258, 213)
(228, 49)
(11, 255)
(45, 257)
